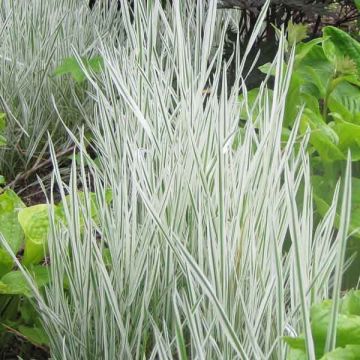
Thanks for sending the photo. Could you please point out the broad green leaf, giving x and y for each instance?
(350, 303)
(14, 282)
(345, 100)
(71, 66)
(344, 44)
(347, 332)
(329, 49)
(349, 352)
(96, 64)
(34, 221)
(268, 69)
(296, 354)
(323, 191)
(295, 342)
(29, 315)
(94, 213)
(2, 180)
(293, 101)
(303, 49)
(106, 254)
(316, 71)
(347, 329)
(255, 103)
(323, 138)
(237, 138)
(313, 82)
(10, 205)
(6, 262)
(349, 138)
(36, 335)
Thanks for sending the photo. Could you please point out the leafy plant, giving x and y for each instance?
(26, 228)
(347, 330)
(72, 66)
(15, 293)
(189, 260)
(326, 84)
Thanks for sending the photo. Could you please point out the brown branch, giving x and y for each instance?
(37, 166)
(18, 333)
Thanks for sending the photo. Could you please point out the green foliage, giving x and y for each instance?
(34, 334)
(71, 66)
(27, 228)
(347, 330)
(14, 282)
(34, 221)
(343, 45)
(10, 204)
(296, 32)
(325, 83)
(323, 198)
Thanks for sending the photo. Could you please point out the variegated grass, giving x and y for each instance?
(210, 254)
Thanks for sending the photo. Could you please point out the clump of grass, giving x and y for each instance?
(36, 37)
(204, 252)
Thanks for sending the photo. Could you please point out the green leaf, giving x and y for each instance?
(36, 335)
(254, 103)
(72, 67)
(268, 69)
(303, 49)
(34, 221)
(2, 180)
(6, 262)
(315, 71)
(94, 208)
(323, 138)
(344, 44)
(296, 32)
(329, 49)
(350, 304)
(96, 64)
(237, 138)
(349, 352)
(349, 138)
(345, 100)
(323, 191)
(347, 329)
(28, 313)
(10, 205)
(295, 342)
(14, 282)
(296, 354)
(293, 101)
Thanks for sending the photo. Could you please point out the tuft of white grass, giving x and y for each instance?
(36, 36)
(210, 254)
